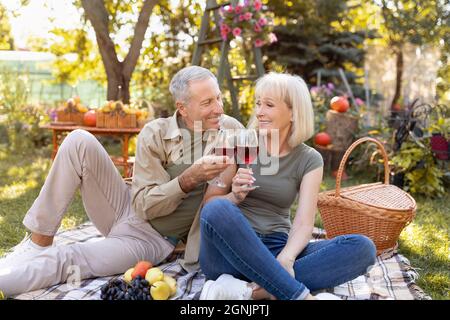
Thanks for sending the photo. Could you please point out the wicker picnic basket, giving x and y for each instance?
(376, 210)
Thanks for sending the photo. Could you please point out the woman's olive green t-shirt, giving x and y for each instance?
(267, 208)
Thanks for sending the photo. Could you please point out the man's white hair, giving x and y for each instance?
(179, 85)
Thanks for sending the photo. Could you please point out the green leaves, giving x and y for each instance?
(6, 40)
(313, 36)
(422, 174)
(77, 57)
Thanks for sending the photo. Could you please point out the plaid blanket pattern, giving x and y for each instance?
(391, 278)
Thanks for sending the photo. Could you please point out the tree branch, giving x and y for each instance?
(139, 33)
(98, 16)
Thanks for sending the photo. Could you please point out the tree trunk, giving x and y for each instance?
(398, 81)
(341, 127)
(118, 73)
(118, 84)
(114, 83)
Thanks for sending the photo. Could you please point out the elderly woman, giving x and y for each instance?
(250, 249)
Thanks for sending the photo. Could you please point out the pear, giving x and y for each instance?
(160, 290)
(153, 275)
(81, 108)
(172, 284)
(127, 276)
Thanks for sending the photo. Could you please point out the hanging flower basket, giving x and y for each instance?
(247, 19)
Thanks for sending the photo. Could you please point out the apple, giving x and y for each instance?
(160, 290)
(127, 275)
(339, 104)
(141, 269)
(172, 284)
(322, 139)
(153, 275)
(90, 118)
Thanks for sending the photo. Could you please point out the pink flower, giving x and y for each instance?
(314, 90)
(248, 16)
(229, 9)
(224, 28)
(241, 17)
(258, 5)
(257, 28)
(237, 32)
(259, 43)
(224, 35)
(359, 101)
(262, 21)
(238, 9)
(272, 37)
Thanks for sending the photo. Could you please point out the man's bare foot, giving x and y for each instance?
(42, 240)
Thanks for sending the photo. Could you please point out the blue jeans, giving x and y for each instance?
(230, 245)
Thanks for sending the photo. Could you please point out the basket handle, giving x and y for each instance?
(347, 154)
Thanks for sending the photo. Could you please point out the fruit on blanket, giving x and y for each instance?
(153, 275)
(127, 275)
(339, 104)
(160, 290)
(117, 289)
(139, 288)
(172, 284)
(322, 139)
(140, 269)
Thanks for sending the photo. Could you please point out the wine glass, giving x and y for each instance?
(247, 147)
(223, 146)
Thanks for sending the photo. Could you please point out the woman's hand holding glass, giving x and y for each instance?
(242, 184)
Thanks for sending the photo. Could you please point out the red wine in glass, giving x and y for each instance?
(247, 155)
(219, 151)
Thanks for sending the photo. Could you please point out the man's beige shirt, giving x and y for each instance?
(154, 194)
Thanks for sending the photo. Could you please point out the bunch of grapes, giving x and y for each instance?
(118, 289)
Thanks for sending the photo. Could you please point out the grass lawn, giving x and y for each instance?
(425, 241)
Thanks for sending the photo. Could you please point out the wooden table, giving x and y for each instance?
(123, 133)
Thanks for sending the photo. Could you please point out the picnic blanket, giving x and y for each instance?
(391, 278)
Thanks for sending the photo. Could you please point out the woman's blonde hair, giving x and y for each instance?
(294, 92)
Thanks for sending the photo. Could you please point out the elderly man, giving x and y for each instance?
(143, 222)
